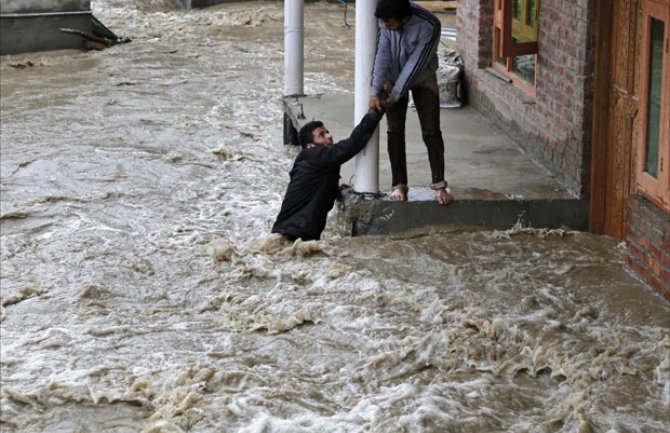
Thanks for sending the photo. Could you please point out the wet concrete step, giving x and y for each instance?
(379, 216)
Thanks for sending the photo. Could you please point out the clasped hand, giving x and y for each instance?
(380, 104)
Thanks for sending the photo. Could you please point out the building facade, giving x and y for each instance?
(584, 87)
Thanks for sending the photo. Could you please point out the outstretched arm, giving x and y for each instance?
(344, 150)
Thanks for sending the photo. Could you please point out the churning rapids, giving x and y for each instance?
(142, 291)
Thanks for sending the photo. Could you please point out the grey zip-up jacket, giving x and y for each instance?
(406, 56)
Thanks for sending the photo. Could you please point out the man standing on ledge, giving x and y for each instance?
(315, 177)
(406, 60)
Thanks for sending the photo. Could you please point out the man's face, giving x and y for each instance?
(392, 24)
(322, 137)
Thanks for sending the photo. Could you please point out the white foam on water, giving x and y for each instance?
(142, 289)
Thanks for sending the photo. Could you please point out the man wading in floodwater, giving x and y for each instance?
(315, 177)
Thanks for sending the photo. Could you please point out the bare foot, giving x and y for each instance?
(442, 196)
(398, 194)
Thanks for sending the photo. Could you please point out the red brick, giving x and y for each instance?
(655, 284)
(644, 274)
(653, 266)
(665, 245)
(662, 257)
(636, 264)
(644, 242)
(665, 278)
(665, 262)
(633, 247)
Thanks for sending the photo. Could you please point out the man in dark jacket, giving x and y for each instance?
(315, 176)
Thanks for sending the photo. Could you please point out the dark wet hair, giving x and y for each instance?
(305, 136)
(397, 9)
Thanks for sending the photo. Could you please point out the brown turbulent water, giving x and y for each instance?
(142, 292)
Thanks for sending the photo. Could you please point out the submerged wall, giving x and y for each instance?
(32, 6)
(188, 4)
(34, 25)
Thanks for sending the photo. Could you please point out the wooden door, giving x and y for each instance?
(616, 107)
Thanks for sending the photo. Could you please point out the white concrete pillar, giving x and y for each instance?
(293, 47)
(366, 175)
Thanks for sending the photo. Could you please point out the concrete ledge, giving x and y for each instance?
(378, 216)
(43, 6)
(23, 33)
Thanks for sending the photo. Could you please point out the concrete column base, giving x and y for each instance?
(294, 118)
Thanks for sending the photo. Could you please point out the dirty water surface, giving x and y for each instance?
(142, 291)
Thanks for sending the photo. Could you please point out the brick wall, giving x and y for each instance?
(554, 127)
(648, 244)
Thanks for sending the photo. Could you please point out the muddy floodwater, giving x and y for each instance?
(143, 292)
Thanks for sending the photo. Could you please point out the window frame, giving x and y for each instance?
(504, 48)
(502, 17)
(656, 189)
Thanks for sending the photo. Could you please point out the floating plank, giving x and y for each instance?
(438, 5)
